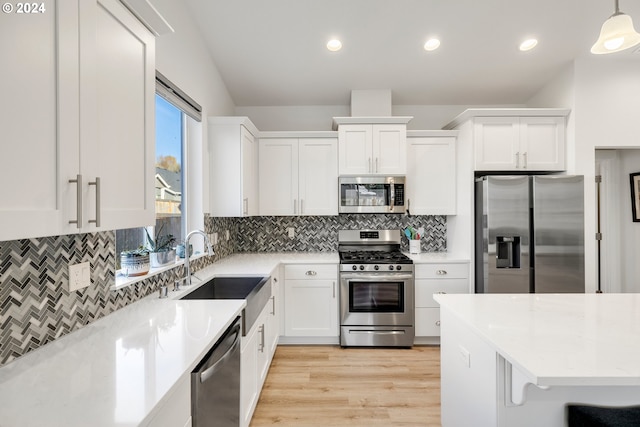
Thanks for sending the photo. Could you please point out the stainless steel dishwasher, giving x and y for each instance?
(215, 383)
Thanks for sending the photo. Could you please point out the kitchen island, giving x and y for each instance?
(511, 360)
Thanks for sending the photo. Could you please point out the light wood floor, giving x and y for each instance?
(331, 386)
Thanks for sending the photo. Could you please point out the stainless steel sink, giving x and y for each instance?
(256, 290)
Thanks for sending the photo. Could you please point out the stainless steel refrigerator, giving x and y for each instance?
(529, 234)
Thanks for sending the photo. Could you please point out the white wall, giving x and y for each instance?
(293, 118)
(432, 117)
(184, 59)
(630, 231)
(319, 117)
(560, 93)
(607, 103)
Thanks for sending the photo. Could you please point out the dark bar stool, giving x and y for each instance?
(599, 416)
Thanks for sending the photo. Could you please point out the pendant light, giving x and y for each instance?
(617, 34)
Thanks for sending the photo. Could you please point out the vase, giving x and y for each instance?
(160, 259)
(133, 265)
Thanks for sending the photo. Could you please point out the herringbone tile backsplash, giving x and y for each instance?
(36, 307)
(320, 233)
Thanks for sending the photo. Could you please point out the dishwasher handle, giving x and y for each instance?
(213, 365)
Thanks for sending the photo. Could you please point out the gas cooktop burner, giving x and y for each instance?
(374, 257)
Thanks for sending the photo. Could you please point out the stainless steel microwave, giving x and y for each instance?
(371, 194)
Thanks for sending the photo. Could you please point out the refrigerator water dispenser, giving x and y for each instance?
(507, 251)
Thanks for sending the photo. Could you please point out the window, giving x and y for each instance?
(173, 109)
(168, 180)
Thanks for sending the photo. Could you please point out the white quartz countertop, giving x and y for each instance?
(558, 339)
(118, 370)
(115, 371)
(436, 257)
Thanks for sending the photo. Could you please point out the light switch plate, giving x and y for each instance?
(226, 234)
(214, 239)
(79, 276)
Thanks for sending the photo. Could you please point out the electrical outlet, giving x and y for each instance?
(292, 232)
(214, 239)
(226, 234)
(79, 276)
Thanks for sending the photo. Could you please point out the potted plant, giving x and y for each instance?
(160, 248)
(135, 262)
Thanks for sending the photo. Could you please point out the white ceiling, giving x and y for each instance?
(272, 52)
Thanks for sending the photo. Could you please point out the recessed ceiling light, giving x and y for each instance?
(431, 44)
(528, 44)
(334, 45)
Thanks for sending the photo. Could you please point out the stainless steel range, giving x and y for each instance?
(376, 290)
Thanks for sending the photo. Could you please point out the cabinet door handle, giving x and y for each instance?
(334, 289)
(441, 272)
(273, 305)
(524, 155)
(78, 220)
(376, 171)
(97, 220)
(369, 164)
(261, 338)
(245, 207)
(518, 160)
(311, 273)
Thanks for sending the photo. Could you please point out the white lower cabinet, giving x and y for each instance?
(311, 300)
(447, 278)
(256, 353)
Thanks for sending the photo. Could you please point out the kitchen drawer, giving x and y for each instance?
(442, 271)
(427, 322)
(426, 288)
(310, 271)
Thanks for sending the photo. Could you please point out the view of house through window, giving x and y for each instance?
(168, 181)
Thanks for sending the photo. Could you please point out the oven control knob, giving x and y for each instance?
(362, 267)
(354, 267)
(391, 267)
(398, 267)
(375, 267)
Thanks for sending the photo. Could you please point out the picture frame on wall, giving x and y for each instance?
(635, 196)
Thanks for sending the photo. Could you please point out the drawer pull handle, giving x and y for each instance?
(441, 272)
(311, 273)
(437, 323)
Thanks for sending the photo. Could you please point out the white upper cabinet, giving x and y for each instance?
(81, 87)
(519, 143)
(372, 145)
(298, 176)
(431, 173)
(233, 167)
(318, 176)
(372, 149)
(118, 116)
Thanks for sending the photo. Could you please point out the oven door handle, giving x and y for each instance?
(389, 277)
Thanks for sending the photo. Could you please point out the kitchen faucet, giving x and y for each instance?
(187, 265)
